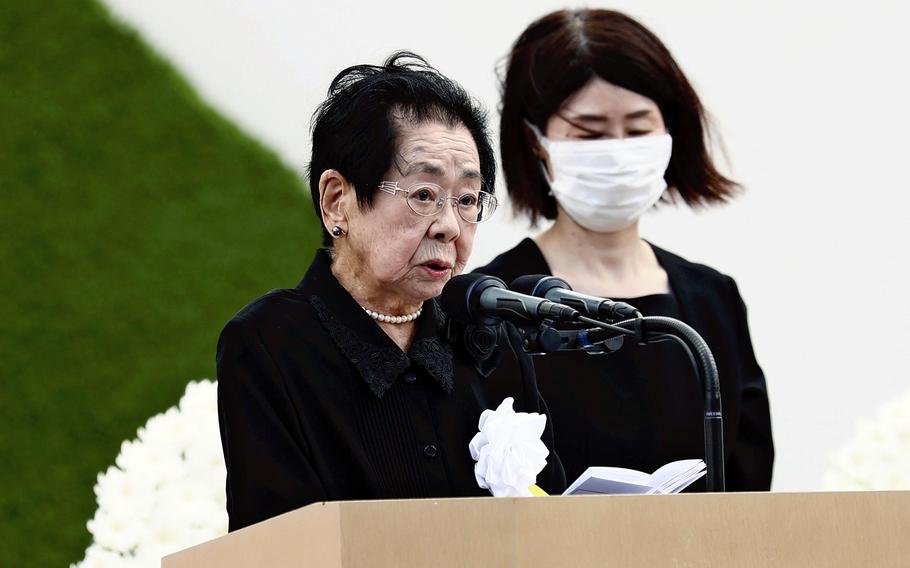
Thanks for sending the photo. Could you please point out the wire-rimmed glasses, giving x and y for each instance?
(427, 199)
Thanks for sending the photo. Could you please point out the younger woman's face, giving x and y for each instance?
(603, 110)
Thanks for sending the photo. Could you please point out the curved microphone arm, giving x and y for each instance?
(650, 329)
(714, 423)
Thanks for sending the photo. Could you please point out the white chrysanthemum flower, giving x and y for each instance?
(165, 536)
(878, 455)
(198, 400)
(168, 429)
(205, 458)
(117, 530)
(97, 556)
(116, 487)
(166, 491)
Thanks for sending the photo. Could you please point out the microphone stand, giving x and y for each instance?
(645, 329)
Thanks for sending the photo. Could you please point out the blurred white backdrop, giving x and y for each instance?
(810, 99)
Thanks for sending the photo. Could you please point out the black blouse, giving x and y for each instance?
(317, 403)
(642, 406)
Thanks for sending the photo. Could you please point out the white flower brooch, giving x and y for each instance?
(508, 451)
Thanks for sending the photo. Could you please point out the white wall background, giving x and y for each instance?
(811, 99)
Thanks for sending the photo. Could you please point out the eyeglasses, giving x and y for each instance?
(427, 199)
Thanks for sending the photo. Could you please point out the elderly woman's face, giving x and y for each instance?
(408, 256)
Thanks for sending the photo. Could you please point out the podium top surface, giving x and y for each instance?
(742, 529)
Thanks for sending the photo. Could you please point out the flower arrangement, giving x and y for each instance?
(878, 455)
(508, 450)
(166, 491)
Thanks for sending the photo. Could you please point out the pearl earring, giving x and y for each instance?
(338, 231)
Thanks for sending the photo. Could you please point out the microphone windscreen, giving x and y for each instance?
(460, 296)
(538, 285)
(528, 284)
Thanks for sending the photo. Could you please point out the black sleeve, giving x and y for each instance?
(751, 461)
(552, 478)
(269, 471)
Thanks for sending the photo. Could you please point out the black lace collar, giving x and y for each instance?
(377, 358)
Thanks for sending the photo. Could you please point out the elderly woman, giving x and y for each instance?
(347, 386)
(598, 124)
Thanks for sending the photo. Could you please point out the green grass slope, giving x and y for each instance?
(134, 222)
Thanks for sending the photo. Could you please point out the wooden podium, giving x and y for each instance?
(732, 529)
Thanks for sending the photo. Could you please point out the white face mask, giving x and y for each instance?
(606, 185)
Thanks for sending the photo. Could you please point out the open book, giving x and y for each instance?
(671, 478)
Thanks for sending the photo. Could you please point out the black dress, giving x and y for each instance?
(317, 403)
(641, 407)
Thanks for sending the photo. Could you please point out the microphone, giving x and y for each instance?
(558, 290)
(478, 298)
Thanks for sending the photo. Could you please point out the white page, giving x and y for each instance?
(620, 474)
(667, 474)
(594, 485)
(680, 484)
(610, 480)
(683, 479)
(678, 480)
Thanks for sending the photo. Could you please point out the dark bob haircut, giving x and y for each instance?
(355, 130)
(557, 55)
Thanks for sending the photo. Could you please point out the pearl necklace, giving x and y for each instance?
(392, 319)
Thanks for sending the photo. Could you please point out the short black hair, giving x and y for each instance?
(355, 130)
(557, 55)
